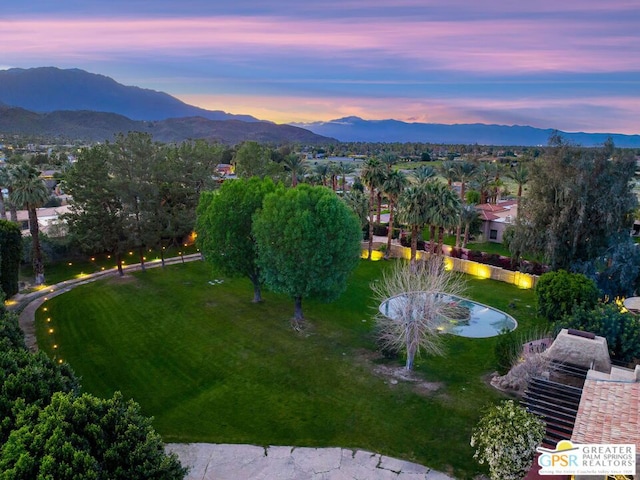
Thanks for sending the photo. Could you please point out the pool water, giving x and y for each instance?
(483, 321)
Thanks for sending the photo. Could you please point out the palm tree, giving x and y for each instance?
(467, 215)
(447, 207)
(449, 171)
(484, 180)
(423, 174)
(333, 170)
(322, 170)
(30, 192)
(389, 160)
(520, 175)
(392, 187)
(413, 209)
(373, 175)
(296, 164)
(345, 169)
(465, 172)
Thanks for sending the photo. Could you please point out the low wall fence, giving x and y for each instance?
(470, 267)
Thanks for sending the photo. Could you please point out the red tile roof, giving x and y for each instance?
(609, 412)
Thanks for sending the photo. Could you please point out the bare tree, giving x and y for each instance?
(414, 304)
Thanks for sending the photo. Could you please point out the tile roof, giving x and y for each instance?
(609, 412)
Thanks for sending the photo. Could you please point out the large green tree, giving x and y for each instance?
(96, 221)
(578, 200)
(224, 226)
(254, 160)
(87, 437)
(30, 192)
(308, 243)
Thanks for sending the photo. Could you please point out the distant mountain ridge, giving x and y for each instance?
(355, 129)
(69, 102)
(101, 126)
(49, 89)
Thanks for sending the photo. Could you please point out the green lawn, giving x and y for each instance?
(59, 271)
(210, 366)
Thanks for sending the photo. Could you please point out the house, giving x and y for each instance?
(48, 220)
(496, 218)
(225, 169)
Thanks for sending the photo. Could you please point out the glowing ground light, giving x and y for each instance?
(51, 330)
(69, 263)
(48, 319)
(60, 361)
(55, 346)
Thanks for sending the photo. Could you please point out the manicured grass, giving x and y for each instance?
(210, 366)
(59, 271)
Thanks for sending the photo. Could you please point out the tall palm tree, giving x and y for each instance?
(373, 174)
(389, 160)
(467, 215)
(447, 206)
(322, 170)
(333, 171)
(296, 164)
(30, 192)
(449, 171)
(414, 210)
(392, 187)
(484, 180)
(345, 169)
(520, 175)
(423, 174)
(465, 172)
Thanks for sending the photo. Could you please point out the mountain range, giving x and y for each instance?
(356, 129)
(75, 104)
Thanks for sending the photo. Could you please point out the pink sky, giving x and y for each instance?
(568, 65)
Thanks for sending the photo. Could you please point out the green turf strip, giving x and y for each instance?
(211, 366)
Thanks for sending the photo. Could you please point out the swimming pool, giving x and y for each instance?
(482, 322)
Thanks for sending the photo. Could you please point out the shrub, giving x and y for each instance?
(474, 255)
(506, 439)
(491, 259)
(506, 351)
(559, 293)
(622, 330)
(380, 230)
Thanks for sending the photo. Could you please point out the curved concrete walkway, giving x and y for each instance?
(208, 461)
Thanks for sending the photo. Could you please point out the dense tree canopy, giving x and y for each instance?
(137, 194)
(578, 200)
(308, 243)
(622, 330)
(87, 437)
(559, 293)
(48, 431)
(224, 227)
(10, 251)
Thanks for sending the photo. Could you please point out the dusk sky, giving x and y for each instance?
(573, 65)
